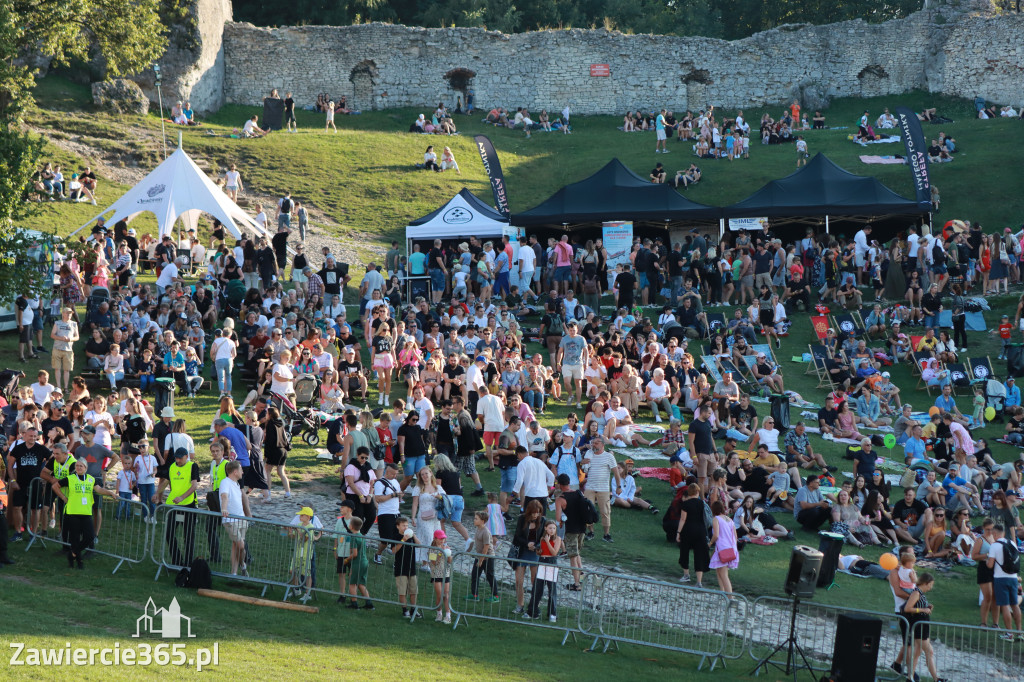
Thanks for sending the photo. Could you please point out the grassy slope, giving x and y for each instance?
(270, 639)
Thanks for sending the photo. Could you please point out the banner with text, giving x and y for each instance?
(913, 140)
(618, 240)
(493, 169)
(737, 224)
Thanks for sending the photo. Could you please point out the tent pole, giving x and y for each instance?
(721, 229)
(826, 224)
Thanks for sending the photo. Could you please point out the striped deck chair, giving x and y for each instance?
(709, 362)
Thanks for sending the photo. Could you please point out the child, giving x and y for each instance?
(359, 566)
(343, 528)
(916, 610)
(778, 492)
(197, 340)
(483, 545)
(301, 568)
(459, 283)
(125, 482)
(979, 407)
(801, 151)
(547, 574)
(1004, 329)
(146, 368)
(193, 372)
(495, 520)
(906, 573)
(405, 569)
(101, 276)
(113, 366)
(439, 557)
(145, 477)
(876, 279)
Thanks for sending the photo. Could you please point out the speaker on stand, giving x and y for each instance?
(801, 581)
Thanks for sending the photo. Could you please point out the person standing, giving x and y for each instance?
(183, 480)
(387, 495)
(291, 125)
(533, 478)
(702, 444)
(662, 134)
(723, 540)
(692, 535)
(234, 504)
(601, 466)
(78, 497)
(1004, 560)
(62, 358)
(573, 356)
(24, 463)
(223, 351)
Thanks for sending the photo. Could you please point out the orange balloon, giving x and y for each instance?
(933, 410)
(888, 561)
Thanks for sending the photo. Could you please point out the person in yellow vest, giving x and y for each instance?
(55, 472)
(78, 496)
(183, 479)
(4, 559)
(217, 474)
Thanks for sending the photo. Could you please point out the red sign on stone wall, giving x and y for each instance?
(600, 71)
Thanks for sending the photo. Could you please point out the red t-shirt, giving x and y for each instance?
(1005, 329)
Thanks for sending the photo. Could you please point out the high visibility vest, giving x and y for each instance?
(181, 481)
(79, 494)
(63, 471)
(217, 474)
(3, 496)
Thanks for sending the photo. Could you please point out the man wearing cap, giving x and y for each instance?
(799, 450)
(97, 459)
(64, 335)
(160, 431)
(183, 479)
(1012, 400)
(573, 355)
(78, 492)
(239, 443)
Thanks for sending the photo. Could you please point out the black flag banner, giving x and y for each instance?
(917, 158)
(493, 168)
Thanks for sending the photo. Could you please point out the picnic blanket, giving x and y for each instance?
(659, 473)
(974, 322)
(640, 453)
(894, 160)
(883, 140)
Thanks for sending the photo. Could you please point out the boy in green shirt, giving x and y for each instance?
(359, 566)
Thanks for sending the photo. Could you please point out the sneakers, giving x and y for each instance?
(827, 436)
(439, 617)
(492, 600)
(377, 560)
(368, 606)
(572, 587)
(607, 538)
(552, 619)
(472, 597)
(447, 618)
(1007, 637)
(589, 535)
(479, 492)
(519, 609)
(17, 537)
(684, 579)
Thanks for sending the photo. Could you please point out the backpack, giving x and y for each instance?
(1011, 557)
(938, 255)
(556, 326)
(587, 510)
(286, 205)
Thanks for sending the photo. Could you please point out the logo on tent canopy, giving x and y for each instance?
(155, 189)
(457, 216)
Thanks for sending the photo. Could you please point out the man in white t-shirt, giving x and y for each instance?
(1004, 583)
(233, 503)
(168, 276)
(860, 241)
(623, 422)
(387, 494)
(600, 466)
(251, 129)
(527, 267)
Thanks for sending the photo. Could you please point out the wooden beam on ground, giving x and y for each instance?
(256, 601)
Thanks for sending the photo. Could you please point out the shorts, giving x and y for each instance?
(563, 273)
(25, 335)
(537, 275)
(642, 281)
(747, 281)
(62, 360)
(508, 480)
(387, 526)
(384, 361)
(446, 579)
(414, 464)
(526, 276)
(661, 134)
(236, 530)
(573, 544)
(491, 437)
(858, 259)
(341, 567)
(1004, 590)
(572, 371)
(437, 279)
(466, 465)
(458, 506)
(762, 279)
(406, 585)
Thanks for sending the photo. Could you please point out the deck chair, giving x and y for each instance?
(819, 323)
(921, 383)
(745, 382)
(715, 322)
(765, 348)
(960, 377)
(709, 362)
(849, 323)
(981, 369)
(819, 353)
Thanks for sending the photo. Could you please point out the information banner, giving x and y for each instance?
(737, 224)
(618, 240)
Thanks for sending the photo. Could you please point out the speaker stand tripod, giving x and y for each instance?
(791, 647)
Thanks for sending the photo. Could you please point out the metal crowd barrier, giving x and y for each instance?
(498, 600)
(124, 534)
(659, 614)
(970, 652)
(816, 631)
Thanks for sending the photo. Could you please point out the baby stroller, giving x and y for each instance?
(232, 296)
(9, 379)
(302, 422)
(995, 396)
(96, 296)
(307, 390)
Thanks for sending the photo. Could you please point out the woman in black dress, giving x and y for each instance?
(275, 448)
(692, 534)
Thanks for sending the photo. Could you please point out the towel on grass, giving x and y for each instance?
(882, 159)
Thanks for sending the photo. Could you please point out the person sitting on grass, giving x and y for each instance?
(688, 177)
(658, 174)
(629, 497)
(252, 128)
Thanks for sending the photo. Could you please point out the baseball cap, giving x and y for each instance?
(89, 428)
(306, 511)
(180, 452)
(480, 358)
(439, 534)
(131, 231)
(885, 375)
(348, 503)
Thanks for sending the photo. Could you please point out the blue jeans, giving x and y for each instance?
(124, 509)
(535, 399)
(677, 289)
(284, 220)
(223, 367)
(931, 320)
(114, 377)
(146, 382)
(414, 464)
(194, 384)
(733, 433)
(508, 479)
(146, 492)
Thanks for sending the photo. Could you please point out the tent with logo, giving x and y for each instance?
(176, 190)
(464, 216)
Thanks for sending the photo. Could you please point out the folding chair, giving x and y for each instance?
(959, 376)
(849, 323)
(745, 382)
(715, 322)
(709, 363)
(819, 353)
(981, 369)
(921, 383)
(820, 325)
(765, 348)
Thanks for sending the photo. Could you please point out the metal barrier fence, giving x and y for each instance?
(966, 652)
(816, 631)
(123, 533)
(649, 612)
(516, 591)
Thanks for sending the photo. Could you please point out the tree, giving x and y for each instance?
(127, 34)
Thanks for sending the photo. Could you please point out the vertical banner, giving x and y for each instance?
(617, 236)
(913, 140)
(493, 169)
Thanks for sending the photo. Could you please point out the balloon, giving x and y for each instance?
(888, 561)
(889, 441)
(933, 410)
(783, 494)
(990, 413)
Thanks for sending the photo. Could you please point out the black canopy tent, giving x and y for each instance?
(616, 193)
(821, 192)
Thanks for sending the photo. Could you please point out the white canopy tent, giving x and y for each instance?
(464, 216)
(179, 189)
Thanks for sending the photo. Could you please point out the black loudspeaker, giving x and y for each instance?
(273, 113)
(830, 545)
(802, 577)
(1015, 360)
(855, 655)
(780, 411)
